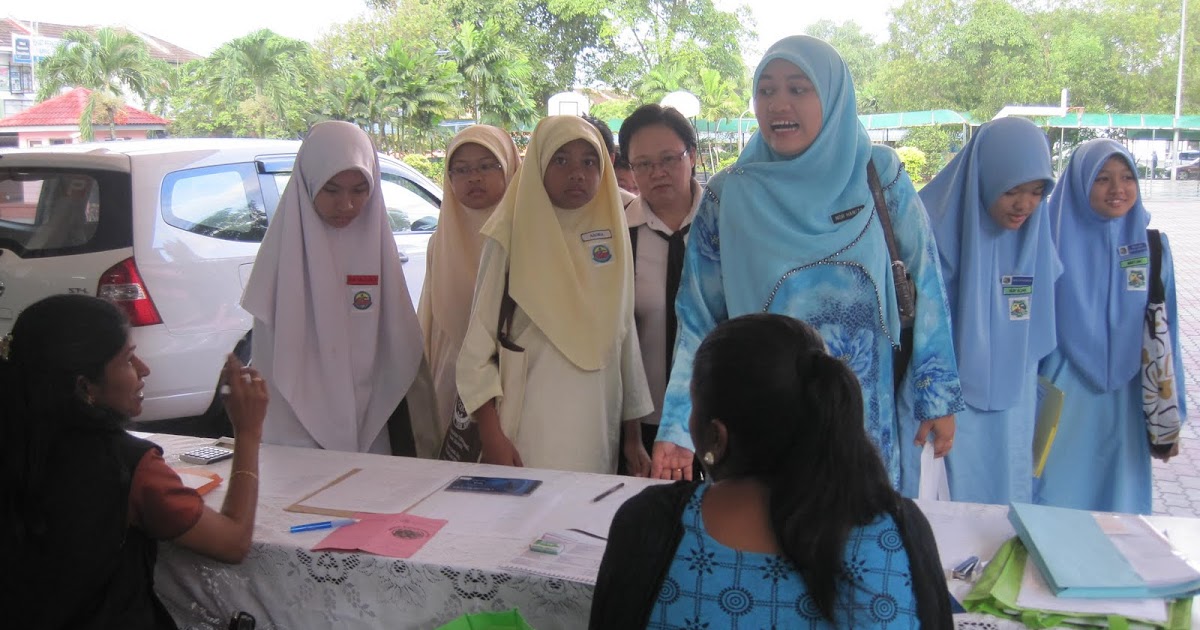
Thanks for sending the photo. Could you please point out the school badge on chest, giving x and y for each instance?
(601, 254)
(1018, 308)
(362, 300)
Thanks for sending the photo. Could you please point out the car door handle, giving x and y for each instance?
(403, 256)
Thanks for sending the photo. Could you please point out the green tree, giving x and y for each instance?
(495, 75)
(110, 63)
(265, 70)
(690, 35)
(719, 97)
(422, 87)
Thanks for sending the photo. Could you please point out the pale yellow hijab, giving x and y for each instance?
(569, 270)
(457, 242)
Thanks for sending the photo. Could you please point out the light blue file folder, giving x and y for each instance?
(1078, 559)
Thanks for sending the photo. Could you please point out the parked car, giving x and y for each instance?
(169, 230)
(1187, 164)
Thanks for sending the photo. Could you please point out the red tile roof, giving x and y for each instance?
(159, 49)
(65, 109)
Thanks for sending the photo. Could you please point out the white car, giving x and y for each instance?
(169, 230)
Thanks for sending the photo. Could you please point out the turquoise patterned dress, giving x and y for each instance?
(844, 302)
(713, 586)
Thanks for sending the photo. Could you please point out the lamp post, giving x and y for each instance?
(1179, 86)
(741, 133)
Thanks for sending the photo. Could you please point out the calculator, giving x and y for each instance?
(206, 455)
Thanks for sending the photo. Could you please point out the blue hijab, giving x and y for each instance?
(1099, 320)
(777, 212)
(996, 353)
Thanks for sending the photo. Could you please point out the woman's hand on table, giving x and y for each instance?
(671, 461)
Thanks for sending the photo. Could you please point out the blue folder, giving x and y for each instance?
(1079, 560)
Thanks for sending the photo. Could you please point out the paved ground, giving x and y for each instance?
(1175, 207)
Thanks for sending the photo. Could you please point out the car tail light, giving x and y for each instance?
(122, 284)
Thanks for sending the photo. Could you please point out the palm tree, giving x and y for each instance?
(667, 76)
(422, 87)
(110, 63)
(496, 75)
(718, 96)
(261, 69)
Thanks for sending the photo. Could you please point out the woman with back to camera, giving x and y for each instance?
(480, 162)
(798, 526)
(793, 228)
(84, 503)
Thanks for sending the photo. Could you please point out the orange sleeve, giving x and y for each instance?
(159, 503)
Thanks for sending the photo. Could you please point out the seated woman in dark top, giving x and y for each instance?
(798, 527)
(82, 502)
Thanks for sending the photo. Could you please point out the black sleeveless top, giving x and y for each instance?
(90, 569)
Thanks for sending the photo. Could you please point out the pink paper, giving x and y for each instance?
(392, 535)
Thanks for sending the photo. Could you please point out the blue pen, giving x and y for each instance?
(308, 527)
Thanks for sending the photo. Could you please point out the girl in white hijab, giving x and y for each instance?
(570, 371)
(480, 162)
(334, 328)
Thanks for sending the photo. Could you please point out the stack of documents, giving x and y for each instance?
(1098, 555)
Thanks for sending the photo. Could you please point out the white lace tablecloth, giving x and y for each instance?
(285, 585)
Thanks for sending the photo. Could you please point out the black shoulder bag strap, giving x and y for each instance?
(906, 293)
(1158, 293)
(633, 238)
(508, 307)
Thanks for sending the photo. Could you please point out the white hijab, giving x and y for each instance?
(332, 312)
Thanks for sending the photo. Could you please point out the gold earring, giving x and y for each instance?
(708, 458)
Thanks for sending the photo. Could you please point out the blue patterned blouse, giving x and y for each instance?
(713, 586)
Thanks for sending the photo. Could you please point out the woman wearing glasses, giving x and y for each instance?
(660, 146)
(793, 228)
(480, 161)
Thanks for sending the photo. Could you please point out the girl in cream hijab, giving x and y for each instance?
(569, 372)
(335, 332)
(480, 161)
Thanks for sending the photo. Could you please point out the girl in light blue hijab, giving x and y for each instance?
(791, 228)
(987, 208)
(1100, 459)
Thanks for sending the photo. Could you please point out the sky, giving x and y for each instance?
(218, 21)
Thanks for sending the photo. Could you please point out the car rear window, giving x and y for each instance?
(223, 202)
(61, 212)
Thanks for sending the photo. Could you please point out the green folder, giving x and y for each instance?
(997, 589)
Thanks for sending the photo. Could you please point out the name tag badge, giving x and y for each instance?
(1016, 285)
(595, 235)
(1018, 308)
(845, 215)
(1133, 249)
(1135, 279)
(362, 281)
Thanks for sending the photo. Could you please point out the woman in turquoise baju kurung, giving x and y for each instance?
(988, 212)
(792, 229)
(1100, 459)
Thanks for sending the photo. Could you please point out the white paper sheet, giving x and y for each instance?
(379, 491)
(1036, 594)
(579, 560)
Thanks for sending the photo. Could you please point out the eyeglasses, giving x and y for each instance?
(646, 167)
(482, 169)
